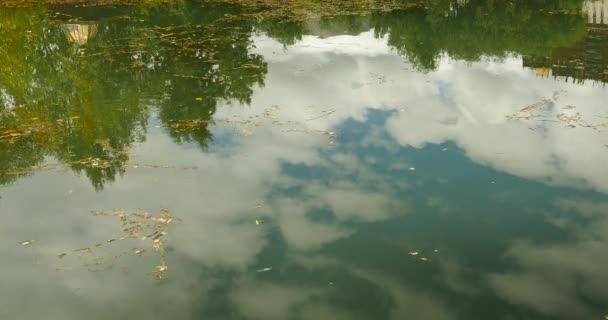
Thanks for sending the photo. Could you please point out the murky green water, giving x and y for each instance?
(205, 161)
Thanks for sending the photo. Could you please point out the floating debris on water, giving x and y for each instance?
(259, 221)
(245, 132)
(139, 226)
(264, 270)
(26, 242)
(424, 259)
(83, 250)
(414, 253)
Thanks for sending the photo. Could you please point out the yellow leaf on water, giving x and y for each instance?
(75, 117)
(198, 99)
(14, 134)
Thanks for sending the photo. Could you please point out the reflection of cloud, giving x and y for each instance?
(560, 280)
(463, 103)
(259, 300)
(302, 233)
(406, 303)
(457, 277)
(467, 103)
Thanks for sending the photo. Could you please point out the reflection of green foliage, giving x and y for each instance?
(92, 97)
(21, 154)
(49, 80)
(464, 31)
(480, 28)
(287, 32)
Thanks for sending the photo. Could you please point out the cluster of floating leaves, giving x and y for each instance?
(145, 227)
(421, 256)
(268, 116)
(11, 134)
(188, 124)
(93, 162)
(540, 112)
(90, 162)
(142, 227)
(81, 3)
(302, 10)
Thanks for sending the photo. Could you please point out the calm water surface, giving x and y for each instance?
(205, 161)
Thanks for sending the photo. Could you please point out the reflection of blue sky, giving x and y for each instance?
(487, 192)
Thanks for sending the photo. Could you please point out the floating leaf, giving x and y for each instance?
(414, 253)
(156, 244)
(264, 270)
(26, 242)
(424, 259)
(259, 221)
(84, 250)
(198, 99)
(245, 132)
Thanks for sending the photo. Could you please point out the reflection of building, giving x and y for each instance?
(79, 33)
(597, 11)
(586, 59)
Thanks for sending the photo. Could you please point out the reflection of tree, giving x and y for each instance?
(478, 27)
(213, 63)
(61, 96)
(464, 29)
(77, 90)
(83, 101)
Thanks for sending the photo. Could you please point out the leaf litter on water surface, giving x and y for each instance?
(135, 226)
(26, 242)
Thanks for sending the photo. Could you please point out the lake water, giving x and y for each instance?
(446, 160)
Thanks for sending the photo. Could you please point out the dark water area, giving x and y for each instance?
(209, 160)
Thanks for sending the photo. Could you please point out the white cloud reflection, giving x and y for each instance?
(465, 103)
